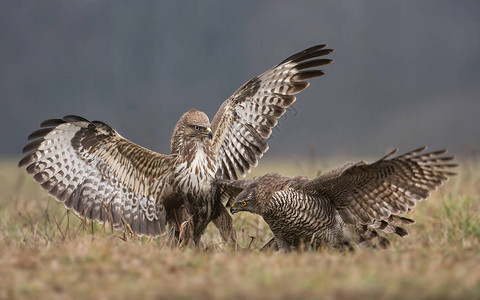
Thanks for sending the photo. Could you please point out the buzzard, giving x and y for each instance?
(347, 205)
(103, 176)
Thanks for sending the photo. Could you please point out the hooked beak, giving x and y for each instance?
(209, 133)
(237, 207)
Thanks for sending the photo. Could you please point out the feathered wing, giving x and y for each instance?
(245, 120)
(101, 175)
(363, 193)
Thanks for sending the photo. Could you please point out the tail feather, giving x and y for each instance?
(369, 237)
(398, 220)
(383, 242)
(391, 226)
(401, 231)
(373, 235)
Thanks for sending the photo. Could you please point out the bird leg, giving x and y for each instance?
(223, 221)
(180, 226)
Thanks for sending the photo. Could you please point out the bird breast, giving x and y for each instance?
(296, 216)
(195, 173)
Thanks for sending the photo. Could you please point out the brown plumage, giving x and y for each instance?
(351, 204)
(105, 177)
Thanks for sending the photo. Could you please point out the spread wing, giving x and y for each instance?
(101, 175)
(245, 120)
(366, 192)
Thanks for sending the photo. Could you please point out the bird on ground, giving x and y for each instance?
(103, 176)
(357, 203)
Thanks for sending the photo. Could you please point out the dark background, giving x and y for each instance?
(406, 73)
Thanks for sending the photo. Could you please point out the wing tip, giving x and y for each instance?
(389, 154)
(40, 133)
(74, 118)
(32, 146)
(314, 51)
(51, 123)
(25, 161)
(65, 119)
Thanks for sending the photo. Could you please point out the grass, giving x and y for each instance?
(47, 253)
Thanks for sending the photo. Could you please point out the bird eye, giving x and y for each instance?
(243, 203)
(197, 127)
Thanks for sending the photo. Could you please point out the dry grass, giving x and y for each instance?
(47, 253)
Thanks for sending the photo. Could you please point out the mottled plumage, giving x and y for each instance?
(105, 177)
(351, 204)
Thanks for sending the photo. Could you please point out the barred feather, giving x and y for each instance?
(98, 173)
(354, 203)
(244, 121)
(364, 193)
(93, 170)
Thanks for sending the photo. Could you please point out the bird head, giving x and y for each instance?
(193, 126)
(196, 125)
(247, 200)
(200, 131)
(241, 194)
(251, 195)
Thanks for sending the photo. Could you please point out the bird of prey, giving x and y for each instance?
(103, 176)
(351, 204)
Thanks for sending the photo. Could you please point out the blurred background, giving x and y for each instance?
(406, 73)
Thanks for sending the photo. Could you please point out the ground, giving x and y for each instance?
(46, 253)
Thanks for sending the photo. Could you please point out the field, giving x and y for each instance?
(47, 253)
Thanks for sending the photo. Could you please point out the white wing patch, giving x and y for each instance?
(94, 171)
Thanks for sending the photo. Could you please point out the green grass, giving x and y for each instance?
(48, 253)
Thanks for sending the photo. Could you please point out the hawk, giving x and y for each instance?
(348, 205)
(103, 176)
